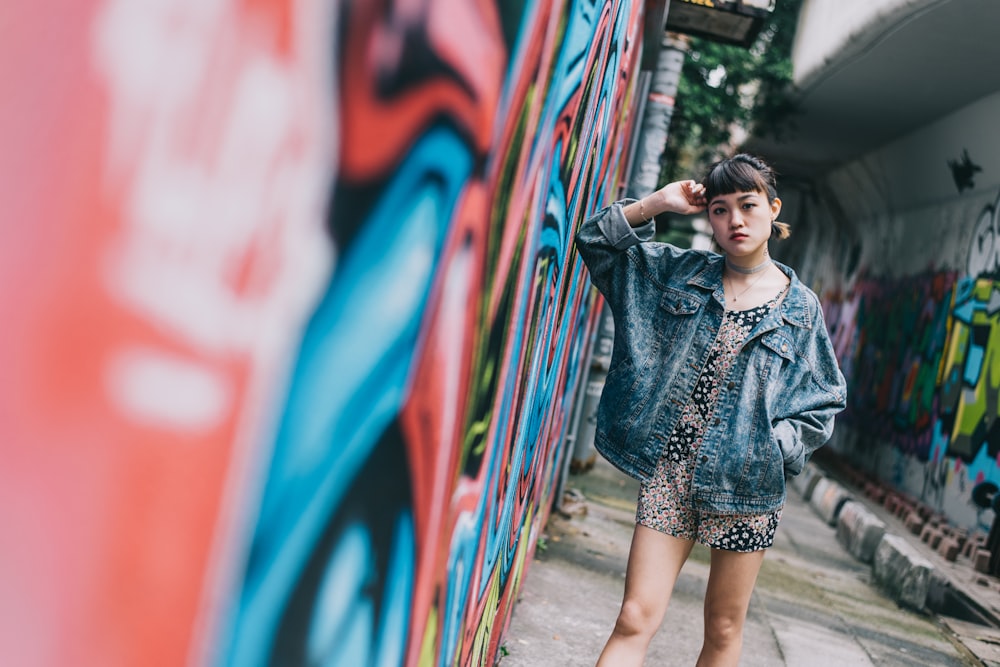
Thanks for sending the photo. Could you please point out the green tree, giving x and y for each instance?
(723, 87)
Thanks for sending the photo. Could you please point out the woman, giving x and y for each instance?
(722, 383)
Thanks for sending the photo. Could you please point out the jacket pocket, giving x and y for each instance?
(614, 382)
(677, 314)
(676, 302)
(616, 399)
(770, 365)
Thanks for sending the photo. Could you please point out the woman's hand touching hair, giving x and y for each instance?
(680, 197)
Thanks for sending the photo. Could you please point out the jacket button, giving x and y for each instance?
(730, 385)
(718, 420)
(704, 459)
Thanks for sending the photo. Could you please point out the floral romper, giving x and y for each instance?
(664, 499)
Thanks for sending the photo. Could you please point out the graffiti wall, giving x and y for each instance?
(422, 434)
(293, 320)
(912, 298)
(922, 360)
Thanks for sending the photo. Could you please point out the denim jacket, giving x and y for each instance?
(775, 408)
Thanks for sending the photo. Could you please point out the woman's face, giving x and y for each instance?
(741, 222)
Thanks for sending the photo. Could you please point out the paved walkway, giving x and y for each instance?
(814, 605)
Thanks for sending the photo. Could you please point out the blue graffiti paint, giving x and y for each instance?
(350, 378)
(391, 635)
(495, 512)
(353, 372)
(350, 613)
(461, 564)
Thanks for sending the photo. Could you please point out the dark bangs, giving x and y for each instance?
(739, 174)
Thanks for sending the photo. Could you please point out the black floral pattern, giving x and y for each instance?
(664, 499)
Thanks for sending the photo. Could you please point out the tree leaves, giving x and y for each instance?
(726, 91)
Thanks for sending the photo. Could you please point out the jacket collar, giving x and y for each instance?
(794, 308)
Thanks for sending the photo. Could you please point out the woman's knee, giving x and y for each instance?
(723, 627)
(637, 618)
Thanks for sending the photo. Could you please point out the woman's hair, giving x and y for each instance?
(744, 173)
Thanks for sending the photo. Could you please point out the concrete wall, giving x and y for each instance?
(836, 29)
(902, 245)
(292, 319)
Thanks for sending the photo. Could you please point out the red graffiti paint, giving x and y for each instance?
(154, 203)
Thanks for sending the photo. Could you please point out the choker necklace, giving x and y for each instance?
(753, 269)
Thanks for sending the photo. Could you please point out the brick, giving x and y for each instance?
(806, 481)
(827, 500)
(981, 560)
(890, 502)
(914, 523)
(948, 549)
(972, 543)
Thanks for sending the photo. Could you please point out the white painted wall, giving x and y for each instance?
(830, 30)
(900, 202)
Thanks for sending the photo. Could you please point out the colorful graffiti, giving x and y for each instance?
(306, 324)
(417, 454)
(160, 173)
(969, 381)
(418, 451)
(889, 336)
(984, 250)
(922, 357)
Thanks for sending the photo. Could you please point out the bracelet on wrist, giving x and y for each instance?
(642, 214)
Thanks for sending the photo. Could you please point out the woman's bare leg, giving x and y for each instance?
(654, 561)
(731, 581)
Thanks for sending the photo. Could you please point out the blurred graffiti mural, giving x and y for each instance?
(163, 171)
(293, 351)
(421, 439)
(890, 339)
(922, 357)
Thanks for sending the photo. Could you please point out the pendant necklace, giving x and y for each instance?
(757, 269)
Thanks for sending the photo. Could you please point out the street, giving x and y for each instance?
(814, 604)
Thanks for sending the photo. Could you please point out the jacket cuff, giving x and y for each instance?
(792, 450)
(619, 233)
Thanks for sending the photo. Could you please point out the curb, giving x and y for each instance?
(859, 531)
(902, 572)
(899, 569)
(828, 499)
(805, 482)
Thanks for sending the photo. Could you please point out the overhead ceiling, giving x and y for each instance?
(900, 75)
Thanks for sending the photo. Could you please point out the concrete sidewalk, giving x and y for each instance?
(815, 604)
